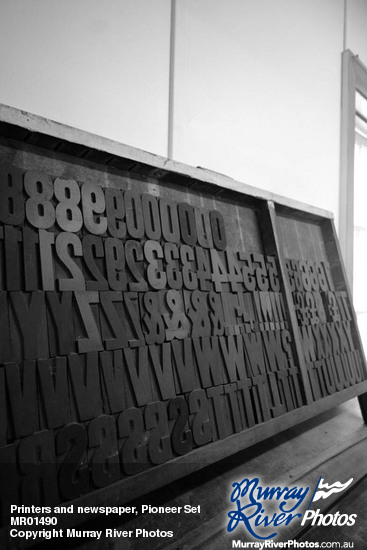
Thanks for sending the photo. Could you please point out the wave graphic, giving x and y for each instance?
(324, 490)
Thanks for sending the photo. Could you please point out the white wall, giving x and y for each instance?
(99, 66)
(258, 93)
(257, 82)
(356, 28)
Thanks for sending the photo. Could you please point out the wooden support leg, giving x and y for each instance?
(363, 404)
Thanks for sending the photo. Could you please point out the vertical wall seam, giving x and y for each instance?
(345, 25)
(171, 84)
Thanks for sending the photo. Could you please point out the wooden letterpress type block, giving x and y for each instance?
(71, 448)
(93, 204)
(93, 257)
(60, 323)
(115, 210)
(105, 465)
(134, 214)
(183, 361)
(169, 220)
(172, 266)
(46, 244)
(115, 264)
(87, 322)
(135, 262)
(113, 321)
(156, 275)
(54, 391)
(68, 214)
(69, 249)
(284, 388)
(222, 420)
(232, 352)
(3, 410)
(245, 402)
(156, 420)
(161, 366)
(231, 391)
(178, 325)
(261, 397)
(14, 269)
(22, 392)
(39, 209)
(5, 353)
(186, 214)
(131, 303)
(202, 431)
(28, 324)
(11, 192)
(134, 452)
(277, 406)
(181, 435)
(152, 220)
(137, 365)
(85, 383)
(196, 309)
(9, 482)
(218, 229)
(208, 361)
(114, 380)
(37, 464)
(31, 259)
(204, 231)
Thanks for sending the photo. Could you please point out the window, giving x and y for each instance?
(353, 189)
(360, 216)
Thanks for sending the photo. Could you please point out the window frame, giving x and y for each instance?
(354, 78)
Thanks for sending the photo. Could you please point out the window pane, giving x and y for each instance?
(360, 182)
(360, 234)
